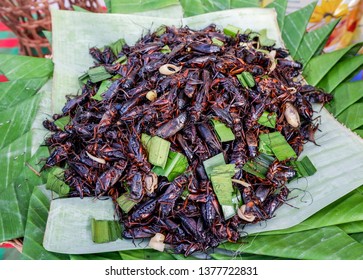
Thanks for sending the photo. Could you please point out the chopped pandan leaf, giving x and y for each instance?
(145, 141)
(125, 202)
(158, 151)
(212, 162)
(62, 122)
(160, 31)
(165, 49)
(268, 119)
(304, 167)
(259, 165)
(232, 31)
(98, 74)
(83, 79)
(223, 188)
(225, 169)
(55, 183)
(265, 148)
(264, 40)
(278, 144)
(185, 194)
(122, 60)
(221, 178)
(176, 165)
(102, 89)
(246, 79)
(117, 46)
(224, 133)
(217, 42)
(104, 231)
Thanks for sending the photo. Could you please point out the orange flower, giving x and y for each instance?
(328, 10)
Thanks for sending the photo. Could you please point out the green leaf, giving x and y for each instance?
(192, 7)
(340, 72)
(313, 41)
(104, 231)
(359, 132)
(358, 237)
(176, 165)
(158, 151)
(69, 229)
(268, 119)
(56, 183)
(345, 95)
(259, 165)
(28, 178)
(352, 117)
(232, 31)
(13, 158)
(98, 74)
(320, 65)
(130, 7)
(117, 46)
(13, 124)
(100, 257)
(16, 67)
(62, 122)
(304, 167)
(14, 92)
(318, 244)
(145, 254)
(294, 27)
(352, 227)
(280, 7)
(278, 144)
(224, 133)
(344, 210)
(35, 227)
(212, 162)
(125, 202)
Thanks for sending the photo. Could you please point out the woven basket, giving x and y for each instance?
(28, 18)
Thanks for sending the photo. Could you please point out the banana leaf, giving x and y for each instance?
(340, 72)
(193, 7)
(14, 92)
(21, 67)
(294, 27)
(343, 211)
(35, 227)
(319, 66)
(353, 227)
(68, 228)
(312, 42)
(280, 7)
(352, 116)
(19, 140)
(345, 95)
(328, 243)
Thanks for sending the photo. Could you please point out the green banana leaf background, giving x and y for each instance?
(334, 232)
